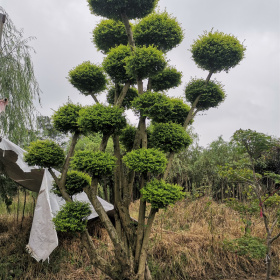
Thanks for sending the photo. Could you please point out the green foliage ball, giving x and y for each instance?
(127, 137)
(76, 181)
(150, 104)
(115, 66)
(96, 164)
(88, 78)
(177, 112)
(216, 51)
(101, 118)
(168, 78)
(65, 119)
(72, 217)
(211, 95)
(161, 194)
(146, 160)
(160, 30)
(109, 34)
(131, 94)
(145, 62)
(114, 8)
(170, 137)
(44, 153)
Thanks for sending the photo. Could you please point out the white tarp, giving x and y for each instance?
(43, 237)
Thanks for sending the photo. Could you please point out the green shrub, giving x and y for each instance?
(96, 164)
(216, 51)
(160, 30)
(72, 217)
(44, 153)
(109, 34)
(168, 78)
(127, 137)
(65, 119)
(145, 62)
(114, 8)
(88, 78)
(146, 160)
(247, 245)
(161, 194)
(75, 183)
(170, 137)
(212, 94)
(101, 118)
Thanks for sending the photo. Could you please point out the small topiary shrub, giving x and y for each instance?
(160, 30)
(216, 51)
(76, 181)
(170, 137)
(212, 94)
(127, 137)
(146, 160)
(65, 119)
(161, 194)
(88, 78)
(109, 34)
(96, 164)
(101, 118)
(44, 153)
(72, 217)
(168, 78)
(145, 62)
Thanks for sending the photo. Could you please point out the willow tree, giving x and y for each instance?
(17, 82)
(142, 155)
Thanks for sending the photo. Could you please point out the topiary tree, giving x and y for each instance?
(137, 159)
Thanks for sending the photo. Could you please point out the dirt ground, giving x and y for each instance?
(257, 277)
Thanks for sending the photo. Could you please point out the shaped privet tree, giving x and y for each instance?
(145, 152)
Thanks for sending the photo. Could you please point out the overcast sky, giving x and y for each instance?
(63, 40)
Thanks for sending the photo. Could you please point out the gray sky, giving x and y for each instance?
(63, 30)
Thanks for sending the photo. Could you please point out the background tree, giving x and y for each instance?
(142, 161)
(17, 83)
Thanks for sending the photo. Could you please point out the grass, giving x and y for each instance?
(186, 244)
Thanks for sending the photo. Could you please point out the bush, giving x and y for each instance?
(161, 194)
(44, 153)
(75, 183)
(72, 217)
(146, 160)
(97, 164)
(65, 119)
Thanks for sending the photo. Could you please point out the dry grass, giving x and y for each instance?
(186, 243)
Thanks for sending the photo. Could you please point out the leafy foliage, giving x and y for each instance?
(75, 183)
(114, 64)
(145, 62)
(44, 153)
(127, 137)
(176, 112)
(161, 194)
(100, 118)
(109, 34)
(65, 119)
(114, 8)
(146, 160)
(212, 94)
(170, 137)
(216, 51)
(168, 78)
(72, 217)
(17, 83)
(247, 245)
(160, 30)
(96, 164)
(88, 78)
(129, 97)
